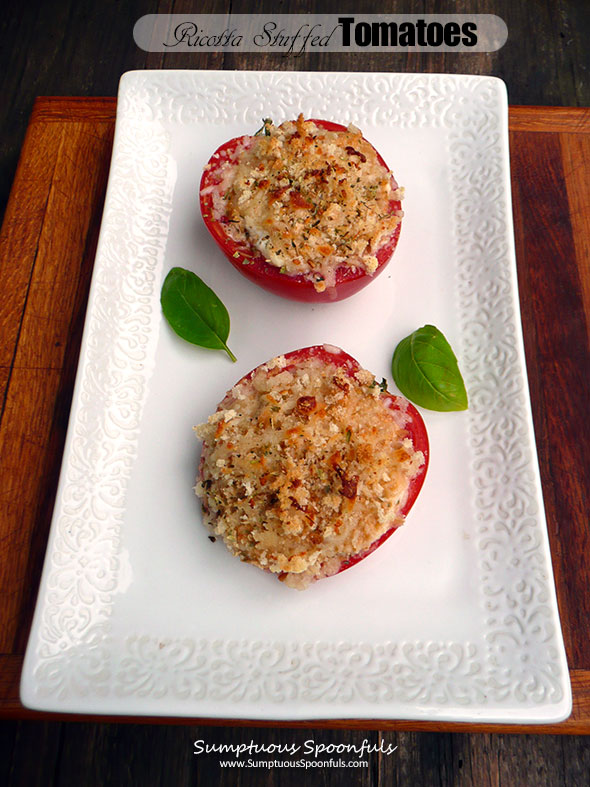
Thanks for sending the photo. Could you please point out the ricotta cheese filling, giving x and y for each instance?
(309, 200)
(304, 466)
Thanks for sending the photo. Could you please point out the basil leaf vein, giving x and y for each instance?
(194, 311)
(426, 371)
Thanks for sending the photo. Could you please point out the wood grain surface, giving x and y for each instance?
(51, 227)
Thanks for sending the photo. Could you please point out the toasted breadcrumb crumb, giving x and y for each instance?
(304, 466)
(308, 199)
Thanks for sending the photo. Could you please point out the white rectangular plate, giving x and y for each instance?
(455, 617)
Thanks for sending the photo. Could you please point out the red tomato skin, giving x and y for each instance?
(251, 263)
(415, 428)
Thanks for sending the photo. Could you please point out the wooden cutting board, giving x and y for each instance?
(47, 249)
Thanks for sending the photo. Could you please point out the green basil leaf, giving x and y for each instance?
(426, 371)
(194, 312)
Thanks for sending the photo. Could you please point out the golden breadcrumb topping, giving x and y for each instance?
(304, 466)
(309, 200)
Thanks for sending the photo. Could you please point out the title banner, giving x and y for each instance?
(299, 33)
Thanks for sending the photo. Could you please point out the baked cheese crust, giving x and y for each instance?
(309, 199)
(304, 466)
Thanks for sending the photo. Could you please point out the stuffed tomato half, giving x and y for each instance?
(308, 210)
(308, 465)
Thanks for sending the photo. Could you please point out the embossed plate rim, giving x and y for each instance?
(74, 661)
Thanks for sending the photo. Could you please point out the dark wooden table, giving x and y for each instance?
(48, 243)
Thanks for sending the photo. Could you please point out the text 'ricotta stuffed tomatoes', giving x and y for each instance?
(308, 210)
(308, 465)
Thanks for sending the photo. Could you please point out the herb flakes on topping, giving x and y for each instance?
(291, 179)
